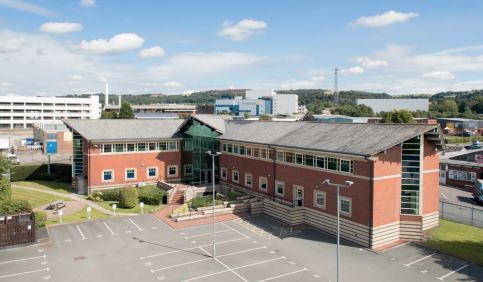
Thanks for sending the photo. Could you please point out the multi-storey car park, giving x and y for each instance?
(394, 168)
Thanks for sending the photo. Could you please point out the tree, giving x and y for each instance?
(126, 111)
(107, 115)
(4, 164)
(265, 117)
(397, 116)
(354, 111)
(246, 115)
(309, 117)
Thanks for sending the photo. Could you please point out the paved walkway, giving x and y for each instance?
(164, 216)
(74, 197)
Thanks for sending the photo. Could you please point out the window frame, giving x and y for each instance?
(277, 182)
(135, 174)
(156, 172)
(225, 170)
(316, 205)
(184, 169)
(342, 198)
(233, 176)
(260, 178)
(247, 175)
(112, 175)
(169, 167)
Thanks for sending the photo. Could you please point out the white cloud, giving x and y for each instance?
(385, 19)
(241, 30)
(117, 44)
(60, 28)
(443, 75)
(87, 3)
(352, 71)
(173, 84)
(369, 63)
(5, 84)
(155, 51)
(312, 82)
(76, 77)
(14, 44)
(26, 7)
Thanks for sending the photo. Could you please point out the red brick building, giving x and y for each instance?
(462, 169)
(394, 168)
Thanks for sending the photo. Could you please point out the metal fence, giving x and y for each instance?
(462, 214)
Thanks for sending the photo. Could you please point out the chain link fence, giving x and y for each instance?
(462, 214)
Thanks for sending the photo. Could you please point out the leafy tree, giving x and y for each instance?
(309, 117)
(108, 115)
(246, 115)
(126, 111)
(354, 111)
(397, 116)
(4, 164)
(5, 189)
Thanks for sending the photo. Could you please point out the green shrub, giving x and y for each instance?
(40, 218)
(96, 196)
(128, 197)
(5, 189)
(15, 206)
(111, 194)
(204, 201)
(231, 196)
(151, 195)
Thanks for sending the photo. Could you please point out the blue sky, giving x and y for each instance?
(50, 47)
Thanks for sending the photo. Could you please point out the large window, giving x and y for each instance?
(299, 159)
(332, 163)
(262, 183)
(172, 170)
(107, 148)
(108, 175)
(173, 146)
(410, 188)
(224, 173)
(279, 187)
(235, 176)
(130, 174)
(346, 206)
(188, 169)
(319, 199)
(131, 147)
(248, 180)
(119, 148)
(141, 147)
(152, 172)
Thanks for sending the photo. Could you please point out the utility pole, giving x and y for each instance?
(336, 86)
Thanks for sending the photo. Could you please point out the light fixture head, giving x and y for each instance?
(327, 181)
(349, 183)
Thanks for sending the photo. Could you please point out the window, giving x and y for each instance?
(289, 157)
(188, 169)
(229, 148)
(345, 165)
(262, 183)
(256, 152)
(235, 176)
(279, 187)
(248, 180)
(107, 148)
(320, 163)
(172, 170)
(279, 156)
(235, 149)
(130, 174)
(130, 147)
(152, 172)
(225, 148)
(224, 173)
(249, 151)
(141, 147)
(119, 148)
(345, 206)
(332, 163)
(242, 150)
(152, 146)
(173, 146)
(263, 153)
(108, 176)
(299, 159)
(308, 160)
(319, 199)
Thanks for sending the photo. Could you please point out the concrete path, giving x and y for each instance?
(74, 197)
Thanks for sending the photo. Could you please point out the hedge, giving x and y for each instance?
(15, 206)
(59, 172)
(40, 218)
(5, 189)
(151, 195)
(128, 197)
(111, 194)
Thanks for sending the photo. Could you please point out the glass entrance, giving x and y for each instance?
(298, 195)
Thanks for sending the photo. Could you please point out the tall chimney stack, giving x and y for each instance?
(106, 102)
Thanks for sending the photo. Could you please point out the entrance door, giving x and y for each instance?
(298, 192)
(205, 176)
(442, 174)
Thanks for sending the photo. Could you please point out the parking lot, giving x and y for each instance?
(143, 248)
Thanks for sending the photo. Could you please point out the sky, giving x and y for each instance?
(53, 47)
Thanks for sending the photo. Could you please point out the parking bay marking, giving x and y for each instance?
(418, 260)
(80, 231)
(206, 234)
(227, 226)
(452, 272)
(283, 275)
(109, 228)
(139, 228)
(22, 273)
(16, 260)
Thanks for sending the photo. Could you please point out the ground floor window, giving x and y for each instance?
(108, 175)
(235, 176)
(248, 180)
(172, 170)
(188, 169)
(319, 199)
(152, 172)
(280, 187)
(345, 206)
(224, 173)
(130, 174)
(262, 183)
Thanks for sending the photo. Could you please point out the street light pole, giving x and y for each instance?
(213, 155)
(347, 184)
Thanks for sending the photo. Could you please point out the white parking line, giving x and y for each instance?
(411, 263)
(444, 196)
(181, 264)
(227, 226)
(206, 234)
(189, 249)
(226, 266)
(241, 252)
(452, 272)
(109, 228)
(22, 273)
(82, 234)
(236, 268)
(16, 260)
(139, 228)
(283, 275)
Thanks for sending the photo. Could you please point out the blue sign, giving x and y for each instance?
(51, 147)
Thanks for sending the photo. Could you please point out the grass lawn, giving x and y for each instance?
(60, 187)
(136, 209)
(35, 199)
(79, 216)
(460, 240)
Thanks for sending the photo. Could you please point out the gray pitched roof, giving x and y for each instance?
(124, 129)
(216, 122)
(346, 138)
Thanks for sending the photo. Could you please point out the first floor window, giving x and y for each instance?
(319, 199)
(106, 148)
(119, 148)
(131, 147)
(332, 163)
(279, 187)
(152, 172)
(188, 169)
(224, 173)
(235, 176)
(299, 159)
(107, 175)
(345, 165)
(248, 180)
(141, 147)
(262, 183)
(152, 146)
(345, 206)
(172, 170)
(173, 146)
(130, 173)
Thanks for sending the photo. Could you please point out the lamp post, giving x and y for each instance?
(346, 184)
(213, 155)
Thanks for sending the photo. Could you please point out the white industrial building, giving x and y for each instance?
(388, 105)
(285, 104)
(24, 111)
